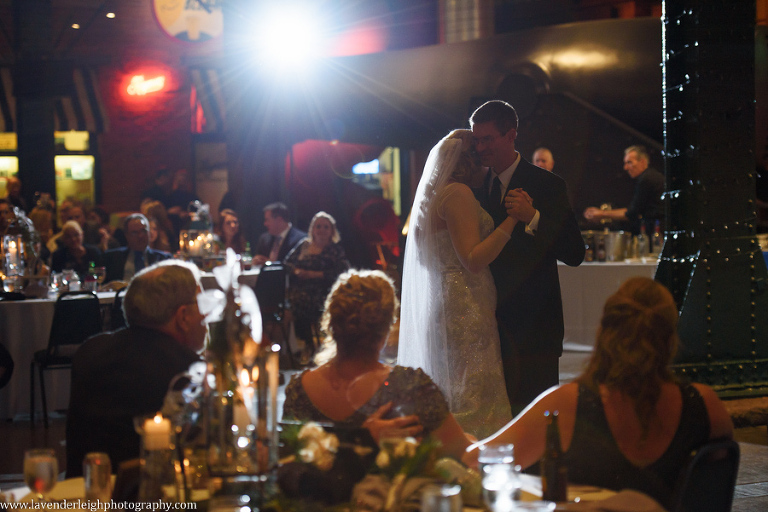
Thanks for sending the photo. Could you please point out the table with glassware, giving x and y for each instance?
(585, 289)
(25, 326)
(247, 277)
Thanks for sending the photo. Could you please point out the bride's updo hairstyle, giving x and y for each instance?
(359, 313)
(467, 165)
(636, 342)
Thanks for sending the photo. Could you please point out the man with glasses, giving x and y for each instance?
(529, 309)
(122, 374)
(124, 262)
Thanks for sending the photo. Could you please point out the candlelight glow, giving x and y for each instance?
(158, 418)
(244, 380)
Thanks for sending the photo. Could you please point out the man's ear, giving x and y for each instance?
(181, 317)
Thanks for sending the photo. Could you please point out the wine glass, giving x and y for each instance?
(41, 469)
(100, 273)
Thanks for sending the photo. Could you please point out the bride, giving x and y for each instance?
(448, 325)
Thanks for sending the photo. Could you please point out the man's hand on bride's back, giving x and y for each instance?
(403, 426)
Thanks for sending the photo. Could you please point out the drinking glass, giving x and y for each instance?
(495, 454)
(501, 487)
(41, 469)
(97, 473)
(101, 274)
(441, 498)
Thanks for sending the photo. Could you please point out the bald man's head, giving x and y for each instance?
(542, 157)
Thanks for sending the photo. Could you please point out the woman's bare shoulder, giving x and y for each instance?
(719, 418)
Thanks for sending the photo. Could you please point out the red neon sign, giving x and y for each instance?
(140, 86)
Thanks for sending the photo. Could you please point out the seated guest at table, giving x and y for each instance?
(6, 214)
(626, 422)
(13, 193)
(122, 374)
(74, 255)
(158, 239)
(281, 237)
(119, 265)
(313, 266)
(352, 388)
(228, 231)
(97, 228)
(43, 221)
(165, 240)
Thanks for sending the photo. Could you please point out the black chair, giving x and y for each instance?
(270, 292)
(116, 317)
(76, 317)
(6, 366)
(707, 483)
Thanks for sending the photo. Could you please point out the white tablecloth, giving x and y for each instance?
(248, 278)
(585, 289)
(24, 328)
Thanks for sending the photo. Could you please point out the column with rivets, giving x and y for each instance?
(711, 260)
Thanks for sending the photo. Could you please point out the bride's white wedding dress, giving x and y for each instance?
(448, 324)
(475, 377)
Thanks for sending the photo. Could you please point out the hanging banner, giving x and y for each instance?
(191, 21)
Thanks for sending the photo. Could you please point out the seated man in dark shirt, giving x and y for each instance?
(119, 375)
(647, 206)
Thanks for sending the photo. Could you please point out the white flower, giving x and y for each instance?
(406, 448)
(382, 459)
(318, 447)
(310, 452)
(312, 431)
(330, 442)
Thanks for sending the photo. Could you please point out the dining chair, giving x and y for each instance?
(708, 481)
(270, 292)
(76, 317)
(116, 317)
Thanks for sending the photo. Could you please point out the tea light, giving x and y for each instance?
(157, 433)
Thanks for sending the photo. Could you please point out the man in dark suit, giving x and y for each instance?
(280, 237)
(124, 262)
(529, 308)
(122, 374)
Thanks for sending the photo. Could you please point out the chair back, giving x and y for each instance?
(117, 319)
(76, 317)
(270, 291)
(707, 483)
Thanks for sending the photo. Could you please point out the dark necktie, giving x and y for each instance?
(495, 198)
(138, 260)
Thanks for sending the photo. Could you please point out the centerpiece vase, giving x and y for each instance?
(241, 401)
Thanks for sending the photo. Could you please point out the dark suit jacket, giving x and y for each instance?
(529, 305)
(116, 376)
(292, 238)
(114, 261)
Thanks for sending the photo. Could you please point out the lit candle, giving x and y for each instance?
(243, 412)
(13, 252)
(157, 433)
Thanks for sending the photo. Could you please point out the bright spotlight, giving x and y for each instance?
(290, 39)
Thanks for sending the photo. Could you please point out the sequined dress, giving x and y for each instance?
(478, 396)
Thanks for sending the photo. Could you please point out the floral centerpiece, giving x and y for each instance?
(323, 470)
(322, 466)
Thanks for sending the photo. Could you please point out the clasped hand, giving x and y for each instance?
(519, 205)
(404, 426)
